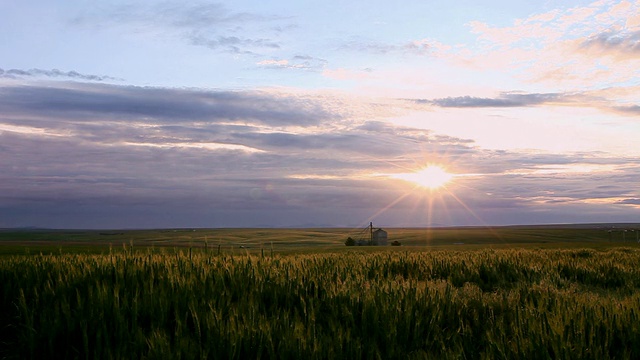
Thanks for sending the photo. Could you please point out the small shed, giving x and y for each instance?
(379, 237)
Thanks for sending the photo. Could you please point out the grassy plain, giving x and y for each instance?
(516, 292)
(313, 240)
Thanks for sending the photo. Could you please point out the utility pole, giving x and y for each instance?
(371, 233)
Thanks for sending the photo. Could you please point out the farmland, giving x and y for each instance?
(534, 292)
(286, 241)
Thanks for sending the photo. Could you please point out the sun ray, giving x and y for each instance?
(389, 206)
(476, 216)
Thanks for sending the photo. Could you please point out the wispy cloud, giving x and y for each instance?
(172, 14)
(415, 47)
(233, 44)
(506, 100)
(297, 62)
(54, 73)
(632, 201)
(595, 100)
(586, 46)
(210, 25)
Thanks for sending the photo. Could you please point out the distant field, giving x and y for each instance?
(313, 240)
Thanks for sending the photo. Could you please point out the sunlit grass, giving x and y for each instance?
(506, 303)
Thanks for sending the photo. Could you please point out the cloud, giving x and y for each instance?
(596, 99)
(589, 46)
(505, 100)
(233, 44)
(201, 24)
(163, 105)
(614, 42)
(416, 47)
(630, 109)
(172, 14)
(297, 62)
(55, 73)
(633, 201)
(112, 156)
(361, 142)
(132, 150)
(377, 130)
(157, 118)
(273, 63)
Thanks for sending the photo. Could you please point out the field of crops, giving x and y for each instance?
(288, 241)
(476, 304)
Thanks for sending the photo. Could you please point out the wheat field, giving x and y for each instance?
(477, 304)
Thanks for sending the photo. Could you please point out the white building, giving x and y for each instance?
(379, 237)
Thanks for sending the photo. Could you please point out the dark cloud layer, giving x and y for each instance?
(172, 105)
(92, 155)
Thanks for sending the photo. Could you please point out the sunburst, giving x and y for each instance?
(431, 177)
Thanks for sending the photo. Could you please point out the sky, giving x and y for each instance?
(165, 114)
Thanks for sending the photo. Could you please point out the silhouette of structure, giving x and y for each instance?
(369, 236)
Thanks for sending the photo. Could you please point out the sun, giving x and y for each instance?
(431, 177)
